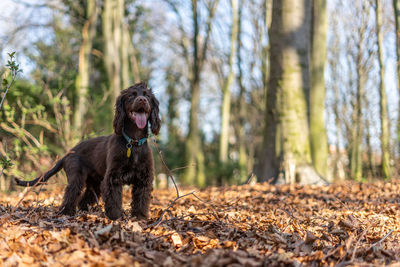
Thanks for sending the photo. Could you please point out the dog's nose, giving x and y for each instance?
(141, 99)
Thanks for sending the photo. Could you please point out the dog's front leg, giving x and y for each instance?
(141, 195)
(111, 188)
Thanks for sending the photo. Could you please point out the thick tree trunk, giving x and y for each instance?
(112, 31)
(226, 102)
(385, 153)
(286, 135)
(319, 142)
(82, 80)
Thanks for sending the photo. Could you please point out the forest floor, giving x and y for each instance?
(347, 224)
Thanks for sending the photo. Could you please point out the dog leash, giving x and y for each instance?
(131, 142)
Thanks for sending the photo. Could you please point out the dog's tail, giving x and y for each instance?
(43, 178)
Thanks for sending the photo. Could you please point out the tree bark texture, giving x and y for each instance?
(194, 173)
(112, 16)
(226, 101)
(385, 136)
(396, 9)
(318, 136)
(357, 130)
(241, 133)
(286, 134)
(83, 77)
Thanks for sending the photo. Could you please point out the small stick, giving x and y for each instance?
(29, 189)
(358, 241)
(94, 239)
(249, 177)
(166, 167)
(382, 239)
(170, 174)
(164, 211)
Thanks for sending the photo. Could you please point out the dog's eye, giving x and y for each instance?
(134, 93)
(144, 93)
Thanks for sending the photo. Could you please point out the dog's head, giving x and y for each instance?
(139, 105)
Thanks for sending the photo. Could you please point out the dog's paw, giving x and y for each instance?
(139, 214)
(113, 214)
(83, 207)
(66, 211)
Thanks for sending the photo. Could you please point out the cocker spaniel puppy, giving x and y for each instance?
(100, 166)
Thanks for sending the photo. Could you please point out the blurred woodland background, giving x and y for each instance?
(291, 91)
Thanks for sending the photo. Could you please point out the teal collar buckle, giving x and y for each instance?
(131, 142)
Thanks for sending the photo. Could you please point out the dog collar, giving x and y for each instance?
(131, 142)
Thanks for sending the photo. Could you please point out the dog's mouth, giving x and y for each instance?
(140, 117)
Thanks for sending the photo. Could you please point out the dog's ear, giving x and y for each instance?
(155, 121)
(119, 115)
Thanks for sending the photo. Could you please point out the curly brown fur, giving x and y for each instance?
(100, 166)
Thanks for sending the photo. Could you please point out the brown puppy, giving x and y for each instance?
(100, 166)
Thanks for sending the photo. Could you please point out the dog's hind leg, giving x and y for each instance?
(91, 195)
(77, 175)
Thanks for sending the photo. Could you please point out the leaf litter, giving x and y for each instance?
(347, 224)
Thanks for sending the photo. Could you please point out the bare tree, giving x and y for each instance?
(226, 102)
(385, 135)
(82, 80)
(112, 18)
(194, 174)
(286, 135)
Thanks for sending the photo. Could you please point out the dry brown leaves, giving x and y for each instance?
(345, 224)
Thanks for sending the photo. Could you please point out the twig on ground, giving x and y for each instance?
(159, 220)
(382, 239)
(358, 241)
(178, 196)
(170, 174)
(96, 244)
(28, 189)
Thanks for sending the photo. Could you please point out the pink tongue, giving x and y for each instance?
(141, 120)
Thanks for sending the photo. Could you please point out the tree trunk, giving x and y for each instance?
(396, 9)
(82, 80)
(370, 152)
(286, 135)
(266, 45)
(135, 69)
(194, 173)
(125, 42)
(385, 153)
(319, 142)
(112, 31)
(226, 102)
(357, 130)
(241, 133)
